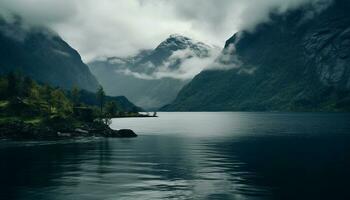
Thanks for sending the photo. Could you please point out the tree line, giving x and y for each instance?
(21, 96)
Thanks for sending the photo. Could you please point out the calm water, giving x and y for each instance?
(189, 156)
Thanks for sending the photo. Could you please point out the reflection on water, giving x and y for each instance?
(189, 156)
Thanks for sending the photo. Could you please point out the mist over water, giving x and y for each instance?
(189, 156)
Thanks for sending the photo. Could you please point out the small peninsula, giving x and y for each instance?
(31, 110)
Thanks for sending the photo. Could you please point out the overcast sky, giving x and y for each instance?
(122, 27)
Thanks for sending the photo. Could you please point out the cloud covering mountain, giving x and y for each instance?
(152, 78)
(297, 62)
(122, 27)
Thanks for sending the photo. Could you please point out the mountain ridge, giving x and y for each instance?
(297, 64)
(43, 55)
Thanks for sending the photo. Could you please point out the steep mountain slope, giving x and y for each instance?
(152, 78)
(43, 55)
(297, 62)
(123, 103)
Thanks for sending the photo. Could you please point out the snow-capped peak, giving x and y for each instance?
(177, 41)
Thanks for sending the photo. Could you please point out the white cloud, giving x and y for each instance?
(190, 65)
(122, 27)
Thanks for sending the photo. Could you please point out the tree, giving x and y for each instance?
(101, 95)
(75, 96)
(3, 88)
(34, 95)
(26, 86)
(46, 96)
(60, 103)
(111, 109)
(12, 85)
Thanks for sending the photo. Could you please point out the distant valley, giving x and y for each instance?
(153, 78)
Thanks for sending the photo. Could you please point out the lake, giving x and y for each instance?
(224, 155)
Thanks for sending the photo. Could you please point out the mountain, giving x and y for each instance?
(152, 78)
(89, 98)
(299, 61)
(43, 55)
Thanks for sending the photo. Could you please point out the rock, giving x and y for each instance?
(127, 133)
(23, 131)
(123, 133)
(64, 134)
(81, 131)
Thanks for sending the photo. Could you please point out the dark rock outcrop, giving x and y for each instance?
(25, 131)
(123, 133)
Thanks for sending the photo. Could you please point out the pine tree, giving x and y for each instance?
(100, 94)
(12, 85)
(75, 96)
(111, 109)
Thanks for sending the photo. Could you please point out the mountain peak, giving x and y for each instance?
(177, 36)
(178, 42)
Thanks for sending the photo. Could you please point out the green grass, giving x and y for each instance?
(29, 120)
(3, 104)
(7, 119)
(35, 120)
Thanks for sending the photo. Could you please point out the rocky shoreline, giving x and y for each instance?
(26, 131)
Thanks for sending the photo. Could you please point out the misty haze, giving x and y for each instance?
(174, 99)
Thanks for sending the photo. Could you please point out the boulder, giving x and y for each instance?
(123, 133)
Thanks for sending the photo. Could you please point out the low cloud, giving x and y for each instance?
(227, 59)
(123, 27)
(40, 12)
(190, 65)
(182, 64)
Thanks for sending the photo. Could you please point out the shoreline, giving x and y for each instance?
(20, 130)
(135, 117)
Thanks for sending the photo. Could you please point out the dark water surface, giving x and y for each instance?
(189, 156)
